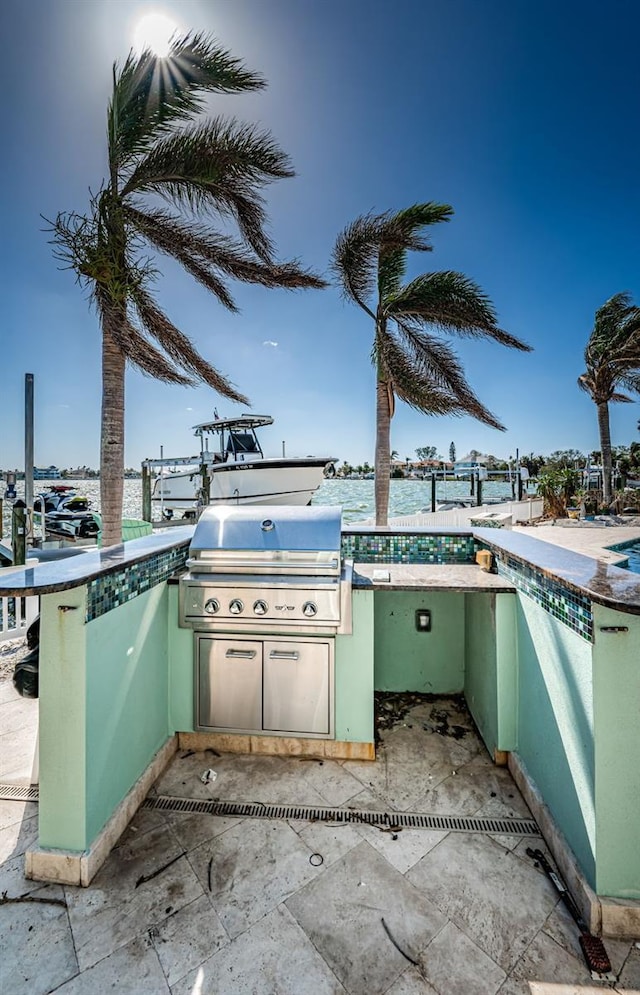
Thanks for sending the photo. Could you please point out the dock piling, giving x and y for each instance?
(146, 493)
(19, 533)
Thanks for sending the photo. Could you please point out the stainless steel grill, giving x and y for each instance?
(266, 593)
(266, 567)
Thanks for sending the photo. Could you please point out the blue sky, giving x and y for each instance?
(521, 115)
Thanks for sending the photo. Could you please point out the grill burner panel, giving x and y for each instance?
(260, 604)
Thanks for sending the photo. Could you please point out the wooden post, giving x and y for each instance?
(479, 498)
(433, 491)
(472, 480)
(146, 493)
(519, 485)
(19, 534)
(206, 485)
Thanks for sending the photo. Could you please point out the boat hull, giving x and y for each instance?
(264, 481)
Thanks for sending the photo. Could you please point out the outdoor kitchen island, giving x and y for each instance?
(545, 652)
(383, 649)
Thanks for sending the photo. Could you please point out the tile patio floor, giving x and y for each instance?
(242, 911)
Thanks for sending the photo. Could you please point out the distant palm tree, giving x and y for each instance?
(369, 260)
(612, 359)
(160, 148)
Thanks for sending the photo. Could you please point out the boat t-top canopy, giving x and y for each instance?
(233, 424)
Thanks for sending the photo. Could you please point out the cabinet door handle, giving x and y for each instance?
(241, 654)
(284, 655)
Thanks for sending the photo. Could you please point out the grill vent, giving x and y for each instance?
(401, 820)
(19, 792)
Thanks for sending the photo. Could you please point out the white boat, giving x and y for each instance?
(235, 471)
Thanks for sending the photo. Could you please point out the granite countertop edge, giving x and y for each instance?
(75, 571)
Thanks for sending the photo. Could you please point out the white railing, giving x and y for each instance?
(16, 615)
(459, 518)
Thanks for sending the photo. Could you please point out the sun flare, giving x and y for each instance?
(154, 31)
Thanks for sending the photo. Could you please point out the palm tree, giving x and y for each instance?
(369, 260)
(612, 359)
(159, 148)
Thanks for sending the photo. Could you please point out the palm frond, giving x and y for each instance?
(630, 381)
(612, 353)
(355, 256)
(218, 166)
(193, 243)
(453, 303)
(180, 348)
(137, 350)
(587, 384)
(402, 232)
(619, 398)
(151, 94)
(435, 359)
(417, 388)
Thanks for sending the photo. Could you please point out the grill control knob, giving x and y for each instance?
(236, 607)
(309, 609)
(260, 607)
(212, 606)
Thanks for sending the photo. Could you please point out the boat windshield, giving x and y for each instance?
(239, 443)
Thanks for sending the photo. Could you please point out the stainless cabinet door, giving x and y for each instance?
(296, 687)
(229, 683)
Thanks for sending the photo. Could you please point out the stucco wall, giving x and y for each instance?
(409, 660)
(480, 677)
(616, 679)
(104, 709)
(555, 724)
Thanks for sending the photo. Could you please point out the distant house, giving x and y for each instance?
(46, 473)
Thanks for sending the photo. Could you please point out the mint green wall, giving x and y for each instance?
(354, 674)
(507, 670)
(181, 670)
(555, 723)
(480, 678)
(408, 660)
(62, 721)
(616, 679)
(127, 699)
(103, 709)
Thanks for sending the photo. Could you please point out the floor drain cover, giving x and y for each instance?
(19, 792)
(401, 820)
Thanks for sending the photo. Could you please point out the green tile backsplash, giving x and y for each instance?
(409, 548)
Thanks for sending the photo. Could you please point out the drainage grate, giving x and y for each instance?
(401, 820)
(19, 792)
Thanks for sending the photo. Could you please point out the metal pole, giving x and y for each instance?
(433, 491)
(1, 520)
(161, 485)
(283, 456)
(28, 440)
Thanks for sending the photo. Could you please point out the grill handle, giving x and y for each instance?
(241, 654)
(284, 655)
(291, 566)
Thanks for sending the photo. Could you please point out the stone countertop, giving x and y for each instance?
(603, 583)
(73, 571)
(460, 578)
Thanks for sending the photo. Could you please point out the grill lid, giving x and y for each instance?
(268, 528)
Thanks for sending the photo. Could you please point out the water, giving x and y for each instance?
(633, 552)
(406, 497)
